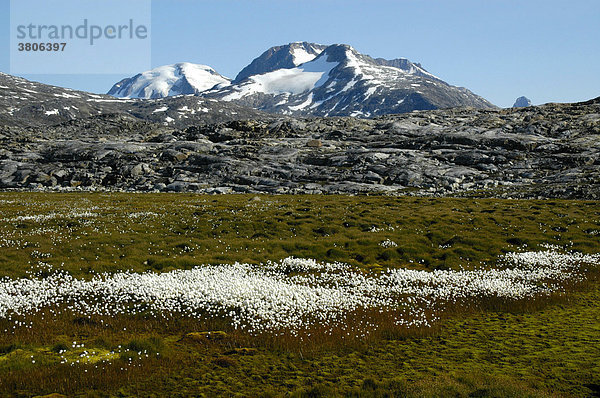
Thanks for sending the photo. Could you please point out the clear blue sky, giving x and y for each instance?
(547, 50)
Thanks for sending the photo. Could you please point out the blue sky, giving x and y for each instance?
(546, 50)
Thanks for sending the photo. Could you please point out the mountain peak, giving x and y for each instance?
(169, 80)
(339, 52)
(281, 57)
(522, 102)
(349, 56)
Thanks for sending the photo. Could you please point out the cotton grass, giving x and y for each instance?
(292, 294)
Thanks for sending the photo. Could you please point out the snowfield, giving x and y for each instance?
(302, 56)
(305, 77)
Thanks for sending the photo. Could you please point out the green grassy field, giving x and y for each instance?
(546, 347)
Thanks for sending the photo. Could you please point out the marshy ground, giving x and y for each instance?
(535, 345)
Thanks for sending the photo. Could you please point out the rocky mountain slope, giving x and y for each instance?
(308, 79)
(169, 80)
(541, 151)
(24, 103)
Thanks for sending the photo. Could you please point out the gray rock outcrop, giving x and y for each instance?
(551, 151)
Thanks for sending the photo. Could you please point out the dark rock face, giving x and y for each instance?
(522, 102)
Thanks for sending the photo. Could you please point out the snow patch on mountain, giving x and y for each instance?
(303, 105)
(302, 56)
(297, 80)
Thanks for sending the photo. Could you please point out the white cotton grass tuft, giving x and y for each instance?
(388, 243)
(293, 293)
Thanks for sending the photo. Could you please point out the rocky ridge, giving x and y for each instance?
(25, 104)
(549, 151)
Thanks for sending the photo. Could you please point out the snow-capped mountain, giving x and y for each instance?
(340, 81)
(169, 80)
(309, 79)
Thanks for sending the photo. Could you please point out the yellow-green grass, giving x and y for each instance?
(548, 348)
(190, 230)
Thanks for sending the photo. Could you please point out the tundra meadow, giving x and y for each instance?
(110, 294)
